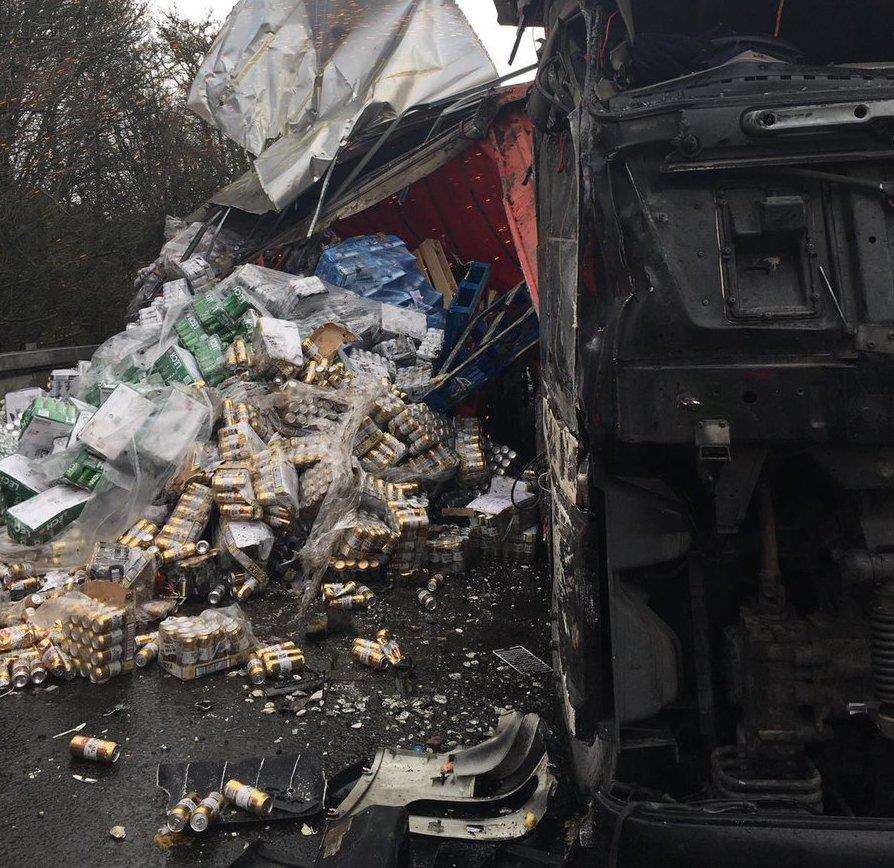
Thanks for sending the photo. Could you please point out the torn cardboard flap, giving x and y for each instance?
(330, 338)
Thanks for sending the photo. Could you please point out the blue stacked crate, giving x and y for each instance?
(466, 300)
(492, 361)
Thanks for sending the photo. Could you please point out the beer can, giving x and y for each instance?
(287, 645)
(257, 673)
(179, 553)
(5, 675)
(96, 749)
(372, 657)
(178, 816)
(23, 587)
(142, 639)
(19, 636)
(37, 673)
(70, 669)
(435, 583)
(354, 601)
(392, 651)
(109, 655)
(51, 658)
(206, 644)
(189, 649)
(144, 657)
(20, 673)
(101, 641)
(217, 594)
(240, 512)
(107, 620)
(283, 662)
(426, 600)
(101, 674)
(207, 812)
(338, 589)
(248, 798)
(247, 589)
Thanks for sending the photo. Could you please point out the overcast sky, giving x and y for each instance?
(482, 13)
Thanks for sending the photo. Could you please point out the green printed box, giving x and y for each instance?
(45, 515)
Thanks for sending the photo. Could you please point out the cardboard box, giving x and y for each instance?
(20, 400)
(398, 321)
(177, 365)
(178, 423)
(19, 479)
(197, 670)
(277, 340)
(45, 515)
(112, 428)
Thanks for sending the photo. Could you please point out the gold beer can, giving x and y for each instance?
(248, 798)
(95, 749)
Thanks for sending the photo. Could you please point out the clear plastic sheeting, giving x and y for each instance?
(338, 510)
(304, 73)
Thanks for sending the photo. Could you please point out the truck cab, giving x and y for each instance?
(715, 208)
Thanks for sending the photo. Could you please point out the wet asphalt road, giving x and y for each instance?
(51, 819)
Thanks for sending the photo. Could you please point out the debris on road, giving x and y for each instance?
(523, 661)
(311, 417)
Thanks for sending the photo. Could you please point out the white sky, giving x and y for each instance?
(481, 13)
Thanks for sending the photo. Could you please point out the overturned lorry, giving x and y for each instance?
(714, 208)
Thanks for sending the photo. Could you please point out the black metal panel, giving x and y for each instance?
(664, 403)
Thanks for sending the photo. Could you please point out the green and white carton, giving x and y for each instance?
(177, 365)
(112, 427)
(46, 420)
(45, 515)
(19, 479)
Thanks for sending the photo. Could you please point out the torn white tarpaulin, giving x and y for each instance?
(304, 73)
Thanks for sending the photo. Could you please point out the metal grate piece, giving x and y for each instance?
(522, 660)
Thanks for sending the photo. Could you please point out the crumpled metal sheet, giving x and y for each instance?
(303, 73)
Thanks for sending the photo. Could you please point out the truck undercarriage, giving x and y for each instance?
(717, 305)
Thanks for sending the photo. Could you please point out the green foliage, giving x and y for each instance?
(96, 147)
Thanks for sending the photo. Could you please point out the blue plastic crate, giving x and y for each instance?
(488, 365)
(466, 299)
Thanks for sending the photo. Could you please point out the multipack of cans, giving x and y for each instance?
(217, 639)
(232, 486)
(474, 470)
(307, 451)
(346, 595)
(98, 635)
(189, 518)
(275, 661)
(371, 365)
(381, 653)
(415, 379)
(447, 550)
(409, 519)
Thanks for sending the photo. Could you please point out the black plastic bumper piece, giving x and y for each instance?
(650, 835)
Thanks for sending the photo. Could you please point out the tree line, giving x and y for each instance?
(96, 147)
